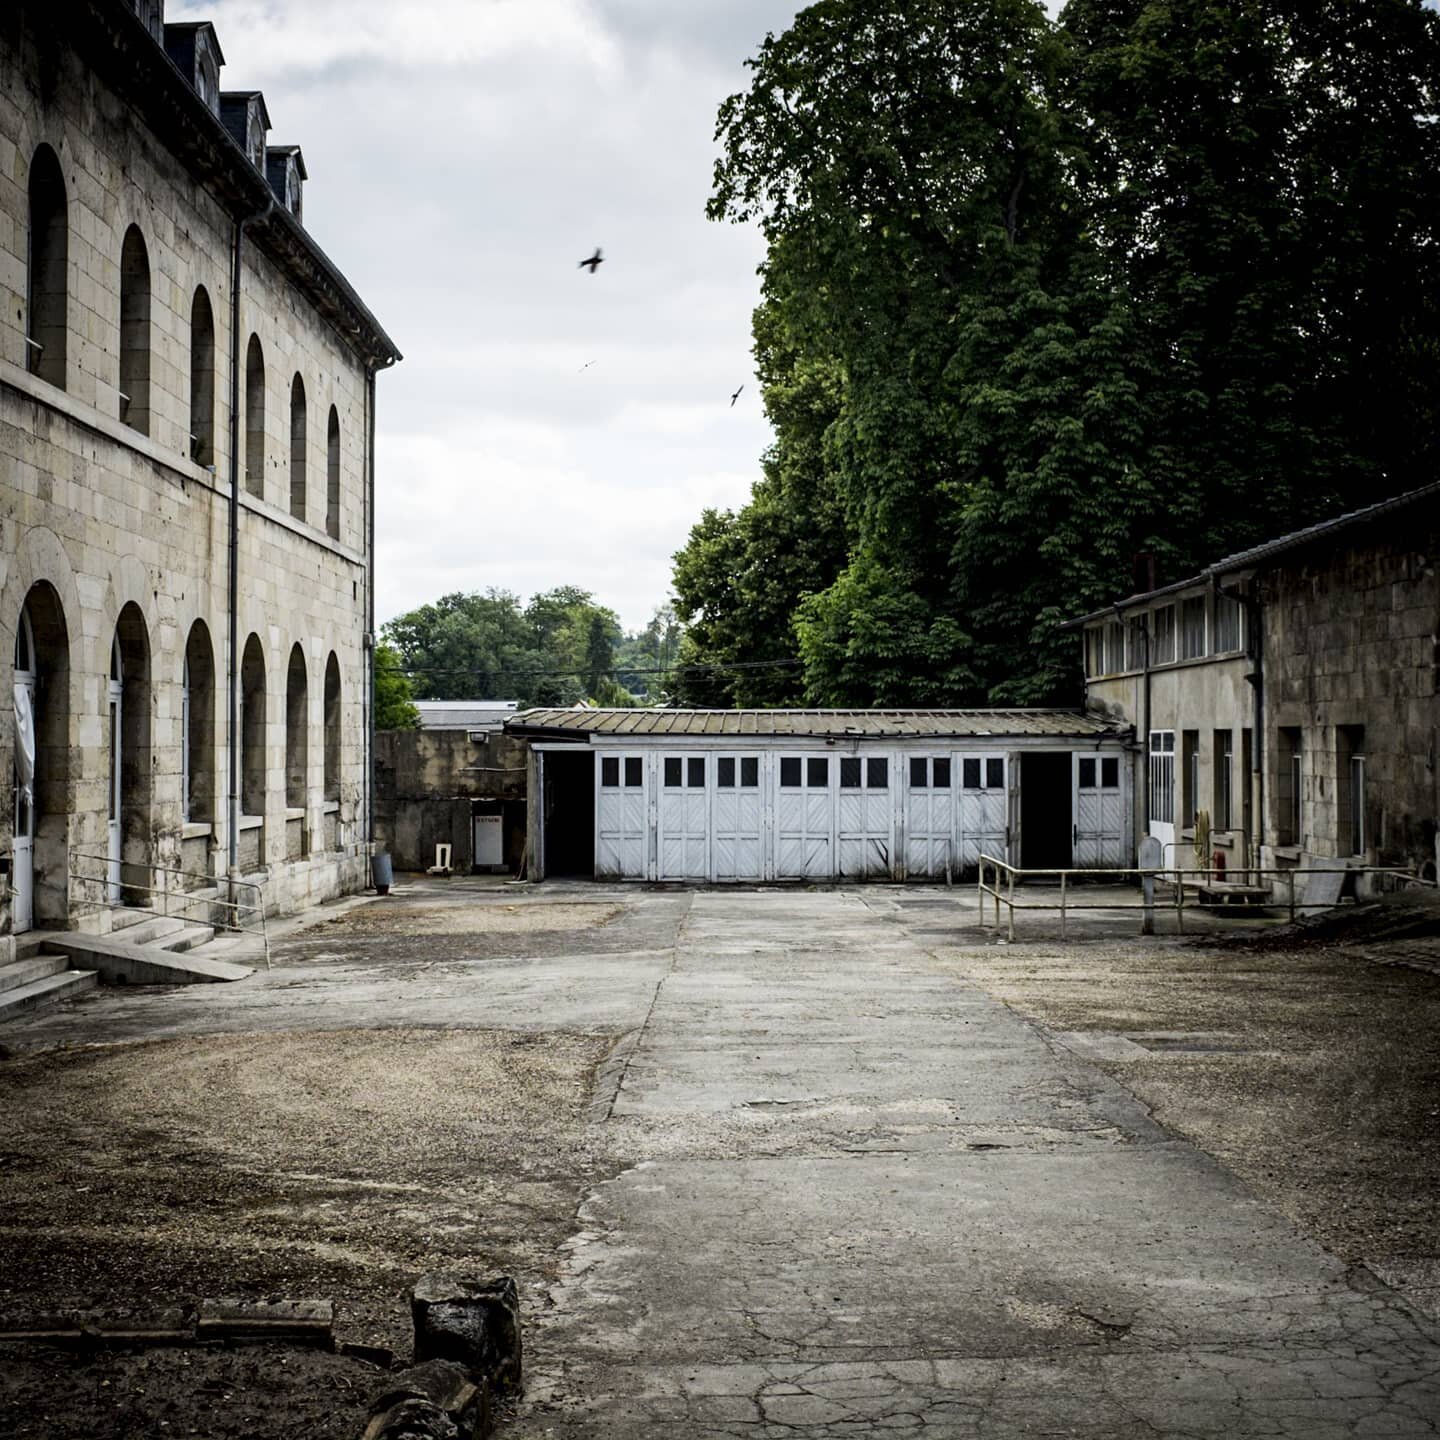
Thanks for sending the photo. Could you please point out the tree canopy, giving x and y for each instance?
(1040, 295)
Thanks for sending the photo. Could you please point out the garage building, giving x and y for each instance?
(756, 795)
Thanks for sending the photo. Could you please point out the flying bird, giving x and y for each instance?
(585, 366)
(594, 262)
(735, 397)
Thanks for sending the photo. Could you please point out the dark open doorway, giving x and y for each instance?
(570, 812)
(1045, 818)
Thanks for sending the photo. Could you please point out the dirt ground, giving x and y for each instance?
(1306, 1060)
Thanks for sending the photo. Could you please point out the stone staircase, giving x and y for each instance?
(142, 948)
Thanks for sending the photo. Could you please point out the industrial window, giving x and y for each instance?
(46, 320)
(332, 728)
(817, 772)
(1223, 801)
(919, 772)
(1162, 635)
(1110, 772)
(1094, 651)
(1085, 777)
(850, 772)
(790, 771)
(610, 772)
(135, 332)
(725, 772)
(674, 771)
(1229, 623)
(994, 774)
(198, 723)
(297, 448)
(940, 772)
(877, 772)
(1162, 776)
(749, 772)
(1114, 647)
(252, 729)
(297, 730)
(695, 772)
(1189, 778)
(1134, 645)
(202, 379)
(1289, 776)
(255, 417)
(1350, 783)
(332, 475)
(1192, 628)
(634, 773)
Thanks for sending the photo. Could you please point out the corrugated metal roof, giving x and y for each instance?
(811, 724)
(465, 714)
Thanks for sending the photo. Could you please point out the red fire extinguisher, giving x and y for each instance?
(1217, 863)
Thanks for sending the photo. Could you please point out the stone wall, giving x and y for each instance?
(428, 784)
(1352, 644)
(106, 529)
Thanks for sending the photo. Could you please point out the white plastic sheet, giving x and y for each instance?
(25, 743)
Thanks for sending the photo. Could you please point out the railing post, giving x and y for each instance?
(1012, 904)
(1063, 875)
(1292, 896)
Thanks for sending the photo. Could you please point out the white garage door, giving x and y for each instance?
(866, 816)
(684, 818)
(739, 810)
(804, 818)
(929, 816)
(622, 824)
(1099, 813)
(981, 809)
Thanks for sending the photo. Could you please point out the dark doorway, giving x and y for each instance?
(569, 812)
(1045, 817)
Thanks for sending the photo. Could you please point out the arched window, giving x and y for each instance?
(297, 731)
(202, 379)
(297, 448)
(255, 418)
(252, 729)
(197, 752)
(132, 767)
(332, 475)
(332, 728)
(135, 332)
(46, 327)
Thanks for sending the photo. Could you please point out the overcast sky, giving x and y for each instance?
(463, 156)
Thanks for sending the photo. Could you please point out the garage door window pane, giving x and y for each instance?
(749, 772)
(1087, 774)
(849, 772)
(918, 767)
(610, 770)
(672, 770)
(994, 774)
(695, 776)
(1110, 773)
(970, 774)
(817, 772)
(790, 771)
(942, 773)
(878, 773)
(634, 772)
(725, 772)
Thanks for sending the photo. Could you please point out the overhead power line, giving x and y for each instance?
(694, 669)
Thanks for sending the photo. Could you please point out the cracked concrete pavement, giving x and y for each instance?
(834, 1188)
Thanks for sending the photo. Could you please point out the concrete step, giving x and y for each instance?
(187, 938)
(32, 967)
(157, 927)
(122, 962)
(122, 917)
(64, 986)
(32, 943)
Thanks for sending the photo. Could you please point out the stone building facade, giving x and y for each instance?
(187, 395)
(1333, 648)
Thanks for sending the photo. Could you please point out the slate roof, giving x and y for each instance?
(811, 724)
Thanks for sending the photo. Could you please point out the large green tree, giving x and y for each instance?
(394, 695)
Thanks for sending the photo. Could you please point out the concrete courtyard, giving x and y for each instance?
(799, 1163)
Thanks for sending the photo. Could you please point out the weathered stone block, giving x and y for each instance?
(475, 1323)
(424, 1399)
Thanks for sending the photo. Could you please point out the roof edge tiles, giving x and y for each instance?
(828, 725)
(1258, 554)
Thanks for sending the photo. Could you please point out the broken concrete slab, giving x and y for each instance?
(475, 1323)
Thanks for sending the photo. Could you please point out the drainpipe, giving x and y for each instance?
(369, 647)
(232, 678)
(1255, 645)
(1144, 736)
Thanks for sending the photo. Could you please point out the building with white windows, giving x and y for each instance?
(733, 796)
(187, 409)
(1289, 695)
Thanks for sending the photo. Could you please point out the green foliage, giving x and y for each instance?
(394, 699)
(1040, 296)
(645, 661)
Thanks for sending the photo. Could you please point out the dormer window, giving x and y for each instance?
(196, 54)
(285, 169)
(246, 118)
(151, 14)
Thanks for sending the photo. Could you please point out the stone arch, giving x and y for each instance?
(332, 728)
(47, 323)
(298, 444)
(252, 728)
(197, 736)
(332, 474)
(255, 417)
(202, 379)
(135, 335)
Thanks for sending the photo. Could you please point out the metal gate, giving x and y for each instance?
(804, 818)
(622, 818)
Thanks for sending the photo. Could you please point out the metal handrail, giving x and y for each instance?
(237, 908)
(1168, 875)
